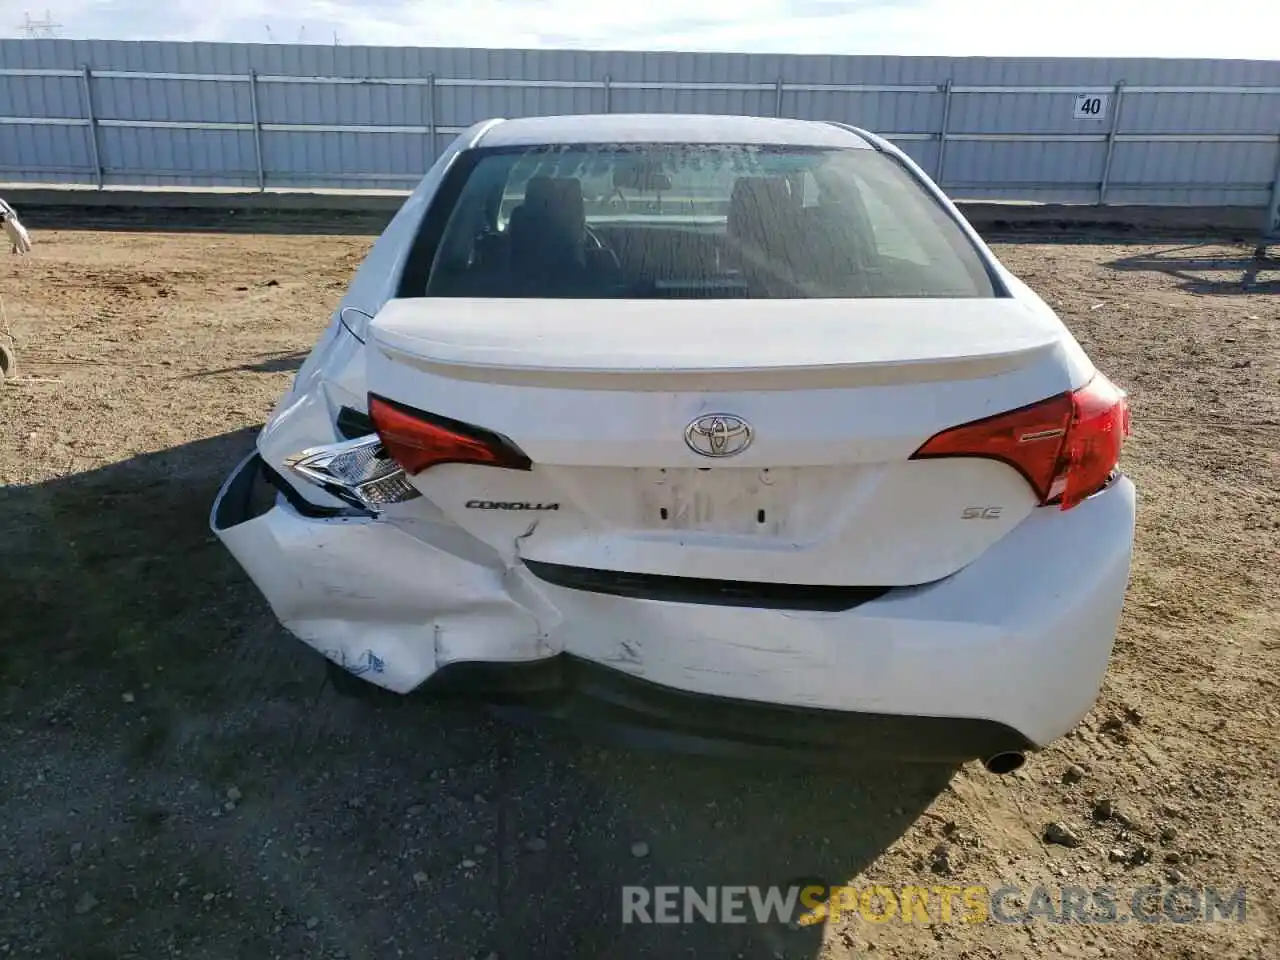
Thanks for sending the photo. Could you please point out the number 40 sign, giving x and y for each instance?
(1091, 106)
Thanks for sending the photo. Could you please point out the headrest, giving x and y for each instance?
(759, 205)
(560, 197)
(549, 227)
(538, 190)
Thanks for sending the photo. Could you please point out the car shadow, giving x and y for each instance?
(282, 363)
(1201, 271)
(179, 773)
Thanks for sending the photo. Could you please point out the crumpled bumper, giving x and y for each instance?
(365, 592)
(1006, 654)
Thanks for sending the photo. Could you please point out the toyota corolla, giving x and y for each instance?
(730, 431)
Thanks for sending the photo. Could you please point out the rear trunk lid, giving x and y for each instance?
(609, 400)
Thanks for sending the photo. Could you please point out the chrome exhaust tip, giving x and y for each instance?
(1002, 763)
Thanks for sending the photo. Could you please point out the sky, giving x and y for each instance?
(1137, 28)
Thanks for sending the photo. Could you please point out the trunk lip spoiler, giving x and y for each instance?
(985, 336)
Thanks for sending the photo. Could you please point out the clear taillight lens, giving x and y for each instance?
(357, 471)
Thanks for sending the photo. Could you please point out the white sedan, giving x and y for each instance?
(726, 431)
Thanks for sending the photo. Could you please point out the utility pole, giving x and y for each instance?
(46, 29)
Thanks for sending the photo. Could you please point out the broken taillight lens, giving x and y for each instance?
(418, 440)
(357, 471)
(1067, 447)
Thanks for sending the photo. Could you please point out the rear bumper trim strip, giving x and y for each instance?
(725, 593)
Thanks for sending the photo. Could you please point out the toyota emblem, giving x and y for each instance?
(718, 435)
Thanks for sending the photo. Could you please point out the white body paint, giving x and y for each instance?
(15, 233)
(1002, 610)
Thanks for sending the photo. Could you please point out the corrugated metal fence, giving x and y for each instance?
(246, 115)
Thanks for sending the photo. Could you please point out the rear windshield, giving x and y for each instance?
(697, 220)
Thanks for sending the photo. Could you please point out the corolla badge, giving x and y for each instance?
(718, 435)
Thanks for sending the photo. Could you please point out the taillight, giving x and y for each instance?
(1066, 447)
(357, 471)
(417, 440)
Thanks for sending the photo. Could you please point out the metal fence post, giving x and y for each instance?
(942, 134)
(777, 98)
(431, 119)
(1116, 98)
(1273, 217)
(257, 131)
(1271, 226)
(608, 93)
(87, 76)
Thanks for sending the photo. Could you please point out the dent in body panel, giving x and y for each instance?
(628, 655)
(359, 589)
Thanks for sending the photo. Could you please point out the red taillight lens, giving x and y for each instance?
(1066, 446)
(1098, 430)
(1028, 439)
(417, 440)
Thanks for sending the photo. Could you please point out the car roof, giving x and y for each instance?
(668, 128)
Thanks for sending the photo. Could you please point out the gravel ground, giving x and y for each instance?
(176, 779)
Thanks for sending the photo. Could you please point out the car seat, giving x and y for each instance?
(765, 233)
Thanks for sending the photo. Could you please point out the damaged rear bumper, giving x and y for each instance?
(1005, 655)
(370, 594)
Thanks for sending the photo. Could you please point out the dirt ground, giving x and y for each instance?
(176, 779)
